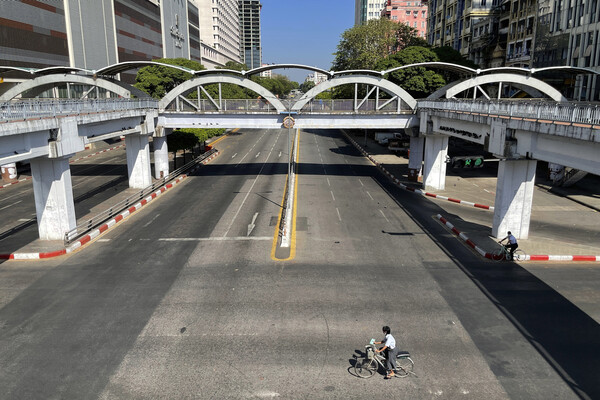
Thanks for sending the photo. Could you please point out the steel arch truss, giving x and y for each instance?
(34, 87)
(528, 84)
(375, 83)
(176, 99)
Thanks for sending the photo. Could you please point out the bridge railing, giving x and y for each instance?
(38, 108)
(232, 106)
(358, 106)
(570, 112)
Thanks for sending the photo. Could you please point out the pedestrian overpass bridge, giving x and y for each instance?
(476, 108)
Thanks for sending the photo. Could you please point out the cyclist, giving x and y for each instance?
(511, 244)
(390, 351)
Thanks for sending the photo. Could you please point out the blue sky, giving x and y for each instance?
(303, 32)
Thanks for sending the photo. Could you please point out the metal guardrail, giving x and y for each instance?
(349, 105)
(26, 109)
(225, 106)
(85, 227)
(574, 112)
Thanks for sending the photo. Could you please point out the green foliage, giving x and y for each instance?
(362, 46)
(279, 85)
(202, 134)
(306, 86)
(181, 140)
(236, 66)
(449, 55)
(158, 80)
(418, 81)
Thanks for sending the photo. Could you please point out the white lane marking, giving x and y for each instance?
(25, 219)
(248, 194)
(19, 194)
(369, 194)
(361, 184)
(151, 221)
(251, 226)
(234, 155)
(338, 213)
(328, 183)
(332, 196)
(256, 156)
(279, 154)
(217, 239)
(104, 240)
(10, 205)
(384, 216)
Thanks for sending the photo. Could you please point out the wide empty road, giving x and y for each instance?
(186, 299)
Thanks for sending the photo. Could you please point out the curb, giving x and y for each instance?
(104, 227)
(488, 255)
(70, 162)
(411, 189)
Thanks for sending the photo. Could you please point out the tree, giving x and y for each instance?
(181, 140)
(418, 81)
(157, 80)
(306, 86)
(362, 46)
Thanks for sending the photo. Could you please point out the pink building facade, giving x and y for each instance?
(411, 13)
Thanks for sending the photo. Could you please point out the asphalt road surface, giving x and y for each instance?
(186, 299)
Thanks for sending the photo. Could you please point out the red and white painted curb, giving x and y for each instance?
(70, 162)
(15, 182)
(411, 189)
(485, 254)
(104, 227)
(96, 153)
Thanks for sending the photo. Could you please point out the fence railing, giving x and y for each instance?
(225, 106)
(350, 105)
(572, 112)
(85, 227)
(26, 109)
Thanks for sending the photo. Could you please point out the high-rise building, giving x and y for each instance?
(219, 31)
(64, 33)
(450, 22)
(250, 43)
(365, 10)
(411, 13)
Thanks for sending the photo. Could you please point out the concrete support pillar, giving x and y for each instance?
(161, 157)
(138, 161)
(514, 197)
(434, 170)
(415, 157)
(53, 192)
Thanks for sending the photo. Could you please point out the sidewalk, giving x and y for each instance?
(564, 221)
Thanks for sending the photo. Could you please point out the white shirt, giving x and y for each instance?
(390, 342)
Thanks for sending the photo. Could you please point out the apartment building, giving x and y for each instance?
(365, 10)
(450, 22)
(411, 13)
(250, 41)
(219, 31)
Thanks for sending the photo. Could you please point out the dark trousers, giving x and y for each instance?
(511, 248)
(390, 363)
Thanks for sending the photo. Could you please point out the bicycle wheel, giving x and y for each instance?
(366, 368)
(404, 366)
(499, 254)
(519, 255)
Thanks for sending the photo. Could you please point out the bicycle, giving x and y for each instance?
(368, 365)
(503, 253)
